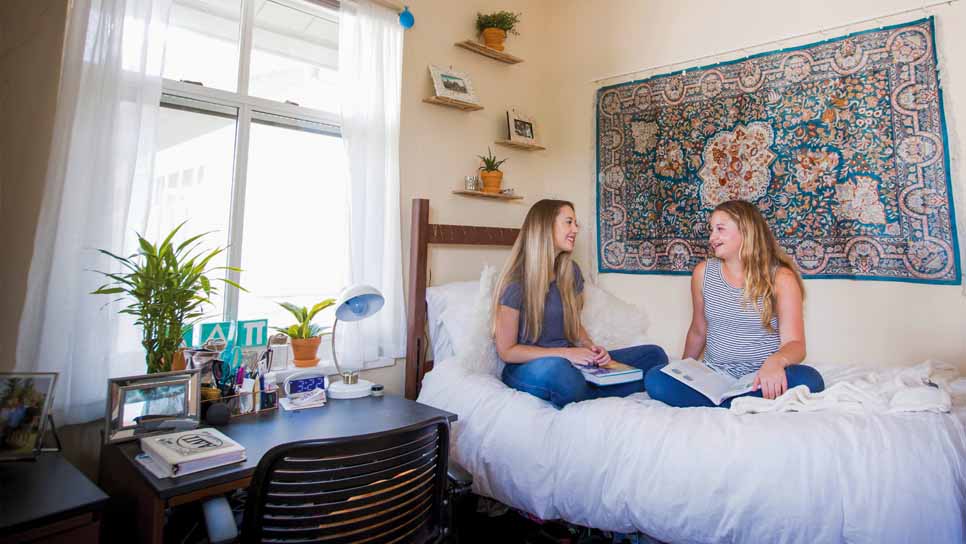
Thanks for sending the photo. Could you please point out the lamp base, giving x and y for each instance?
(343, 390)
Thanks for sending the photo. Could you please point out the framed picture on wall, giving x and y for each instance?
(453, 84)
(522, 127)
(25, 400)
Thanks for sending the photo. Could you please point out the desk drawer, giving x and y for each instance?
(83, 528)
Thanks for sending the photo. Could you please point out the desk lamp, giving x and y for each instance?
(355, 303)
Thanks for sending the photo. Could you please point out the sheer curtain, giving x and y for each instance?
(97, 178)
(370, 70)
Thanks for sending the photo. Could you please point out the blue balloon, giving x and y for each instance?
(406, 18)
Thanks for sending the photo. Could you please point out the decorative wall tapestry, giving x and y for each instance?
(841, 144)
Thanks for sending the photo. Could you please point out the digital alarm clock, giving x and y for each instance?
(304, 381)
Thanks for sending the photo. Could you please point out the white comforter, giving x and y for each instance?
(710, 475)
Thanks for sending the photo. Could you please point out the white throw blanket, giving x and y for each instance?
(921, 388)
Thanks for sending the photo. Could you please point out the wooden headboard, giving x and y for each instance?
(424, 233)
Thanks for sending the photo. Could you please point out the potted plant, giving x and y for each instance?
(306, 336)
(495, 26)
(167, 286)
(490, 172)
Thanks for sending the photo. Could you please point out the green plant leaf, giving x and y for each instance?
(205, 284)
(320, 306)
(108, 290)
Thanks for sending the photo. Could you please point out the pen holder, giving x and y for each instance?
(245, 402)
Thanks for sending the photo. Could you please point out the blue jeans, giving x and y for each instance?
(666, 389)
(554, 379)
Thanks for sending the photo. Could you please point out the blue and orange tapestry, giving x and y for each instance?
(841, 144)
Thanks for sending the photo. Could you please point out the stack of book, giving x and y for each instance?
(186, 452)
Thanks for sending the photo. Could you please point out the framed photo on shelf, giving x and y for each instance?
(521, 127)
(25, 400)
(453, 84)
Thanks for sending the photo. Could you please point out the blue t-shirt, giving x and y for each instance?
(552, 334)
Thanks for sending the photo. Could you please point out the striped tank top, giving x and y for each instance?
(736, 344)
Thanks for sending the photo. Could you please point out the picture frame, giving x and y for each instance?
(25, 402)
(453, 84)
(141, 405)
(521, 127)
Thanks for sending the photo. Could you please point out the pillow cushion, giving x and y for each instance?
(460, 295)
(610, 321)
(470, 330)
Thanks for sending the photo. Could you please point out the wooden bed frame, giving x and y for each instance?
(424, 233)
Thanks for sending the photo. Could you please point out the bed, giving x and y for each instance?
(679, 475)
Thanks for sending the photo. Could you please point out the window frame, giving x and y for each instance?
(249, 109)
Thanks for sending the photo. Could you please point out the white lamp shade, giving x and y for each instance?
(358, 302)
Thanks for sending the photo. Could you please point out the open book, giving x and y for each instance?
(715, 385)
(612, 374)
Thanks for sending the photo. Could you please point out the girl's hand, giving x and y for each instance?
(580, 356)
(771, 379)
(602, 358)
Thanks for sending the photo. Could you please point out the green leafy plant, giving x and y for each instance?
(504, 20)
(167, 287)
(490, 164)
(304, 328)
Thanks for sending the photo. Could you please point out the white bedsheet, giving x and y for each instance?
(709, 475)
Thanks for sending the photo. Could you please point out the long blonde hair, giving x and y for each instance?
(761, 256)
(533, 263)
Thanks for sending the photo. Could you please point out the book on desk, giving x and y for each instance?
(187, 452)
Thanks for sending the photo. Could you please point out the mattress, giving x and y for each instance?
(709, 475)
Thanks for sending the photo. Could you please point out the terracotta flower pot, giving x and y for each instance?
(178, 361)
(494, 38)
(491, 180)
(306, 351)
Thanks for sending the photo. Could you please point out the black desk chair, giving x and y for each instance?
(388, 487)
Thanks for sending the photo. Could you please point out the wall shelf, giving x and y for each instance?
(521, 145)
(498, 196)
(481, 49)
(449, 102)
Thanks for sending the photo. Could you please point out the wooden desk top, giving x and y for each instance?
(263, 431)
(32, 493)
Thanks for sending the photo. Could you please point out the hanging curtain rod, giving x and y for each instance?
(922, 7)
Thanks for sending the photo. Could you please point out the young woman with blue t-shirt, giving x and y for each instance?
(536, 315)
(747, 312)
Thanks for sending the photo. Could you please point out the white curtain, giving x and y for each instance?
(370, 72)
(97, 177)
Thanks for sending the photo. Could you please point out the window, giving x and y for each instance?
(249, 146)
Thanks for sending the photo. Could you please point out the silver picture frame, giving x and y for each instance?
(141, 405)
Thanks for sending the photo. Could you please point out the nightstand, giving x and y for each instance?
(48, 500)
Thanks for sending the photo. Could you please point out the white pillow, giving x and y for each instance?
(460, 295)
(470, 331)
(610, 321)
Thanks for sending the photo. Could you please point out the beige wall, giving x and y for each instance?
(438, 145)
(31, 39)
(876, 323)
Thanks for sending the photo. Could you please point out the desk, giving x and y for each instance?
(138, 496)
(48, 500)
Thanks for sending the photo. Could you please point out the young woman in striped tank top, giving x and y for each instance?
(747, 312)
